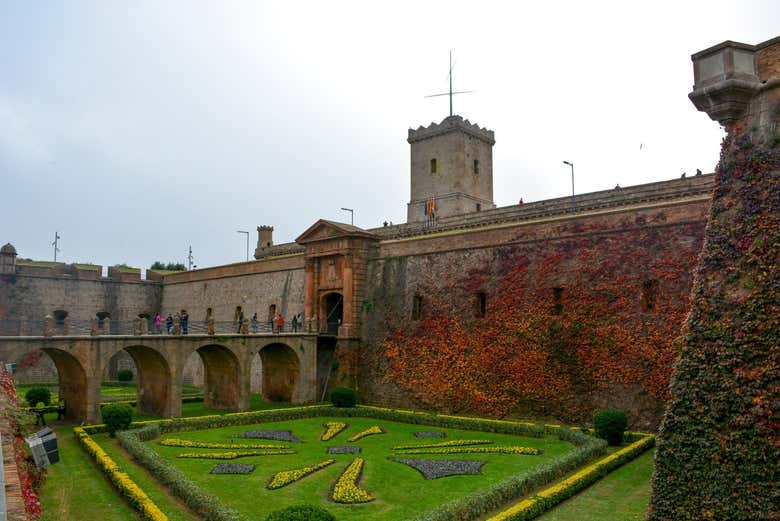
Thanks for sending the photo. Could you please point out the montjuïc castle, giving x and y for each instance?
(353, 288)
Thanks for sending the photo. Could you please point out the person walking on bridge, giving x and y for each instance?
(279, 323)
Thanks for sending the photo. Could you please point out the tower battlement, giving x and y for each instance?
(450, 124)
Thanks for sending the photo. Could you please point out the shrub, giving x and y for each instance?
(610, 424)
(125, 375)
(301, 513)
(343, 397)
(117, 417)
(37, 395)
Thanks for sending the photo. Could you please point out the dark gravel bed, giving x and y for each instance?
(430, 434)
(269, 435)
(341, 449)
(439, 468)
(232, 468)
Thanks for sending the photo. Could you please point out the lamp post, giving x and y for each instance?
(572, 176)
(247, 242)
(351, 215)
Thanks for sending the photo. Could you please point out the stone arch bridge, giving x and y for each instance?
(289, 368)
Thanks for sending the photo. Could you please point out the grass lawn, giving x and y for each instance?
(76, 489)
(622, 495)
(107, 392)
(401, 492)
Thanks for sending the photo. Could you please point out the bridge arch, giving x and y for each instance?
(221, 377)
(72, 379)
(154, 379)
(281, 368)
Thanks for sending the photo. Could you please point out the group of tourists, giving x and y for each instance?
(275, 323)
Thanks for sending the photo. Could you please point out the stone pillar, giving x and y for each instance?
(310, 304)
(212, 328)
(22, 326)
(144, 323)
(347, 323)
(137, 327)
(48, 326)
(106, 326)
(94, 328)
(66, 326)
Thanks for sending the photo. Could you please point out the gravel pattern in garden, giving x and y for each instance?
(269, 435)
(232, 468)
(430, 434)
(440, 468)
(341, 449)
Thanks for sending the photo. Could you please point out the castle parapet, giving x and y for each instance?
(448, 125)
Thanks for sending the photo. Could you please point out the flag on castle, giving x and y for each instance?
(430, 207)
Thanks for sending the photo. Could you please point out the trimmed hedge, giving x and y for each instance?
(207, 506)
(116, 417)
(125, 375)
(610, 424)
(536, 505)
(343, 397)
(126, 486)
(38, 395)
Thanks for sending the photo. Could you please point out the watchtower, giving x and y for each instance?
(451, 169)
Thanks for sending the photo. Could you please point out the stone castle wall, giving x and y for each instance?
(415, 266)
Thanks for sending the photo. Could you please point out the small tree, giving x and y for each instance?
(171, 266)
(125, 375)
(343, 397)
(301, 513)
(38, 395)
(610, 424)
(117, 417)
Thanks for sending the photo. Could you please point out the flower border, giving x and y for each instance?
(303, 472)
(339, 427)
(348, 485)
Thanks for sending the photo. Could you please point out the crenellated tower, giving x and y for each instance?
(451, 165)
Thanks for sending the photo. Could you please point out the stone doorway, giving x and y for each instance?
(332, 313)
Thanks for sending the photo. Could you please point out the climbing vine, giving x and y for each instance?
(594, 314)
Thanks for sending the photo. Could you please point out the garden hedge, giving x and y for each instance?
(718, 453)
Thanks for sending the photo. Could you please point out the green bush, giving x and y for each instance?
(117, 417)
(37, 395)
(301, 513)
(343, 397)
(125, 375)
(610, 424)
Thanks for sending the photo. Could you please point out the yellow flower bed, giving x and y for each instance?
(475, 450)
(451, 443)
(284, 478)
(332, 429)
(137, 497)
(234, 454)
(367, 432)
(346, 489)
(535, 505)
(176, 442)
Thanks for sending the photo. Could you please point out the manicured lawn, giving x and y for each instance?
(623, 495)
(75, 488)
(400, 491)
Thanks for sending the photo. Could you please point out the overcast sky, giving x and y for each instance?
(140, 128)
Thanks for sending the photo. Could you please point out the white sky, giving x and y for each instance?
(137, 129)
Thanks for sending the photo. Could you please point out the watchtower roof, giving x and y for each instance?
(451, 124)
(8, 249)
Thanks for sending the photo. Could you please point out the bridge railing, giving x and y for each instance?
(108, 327)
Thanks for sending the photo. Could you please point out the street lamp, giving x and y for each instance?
(247, 242)
(572, 176)
(351, 215)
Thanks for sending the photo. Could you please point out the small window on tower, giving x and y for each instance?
(417, 304)
(433, 166)
(476, 166)
(479, 207)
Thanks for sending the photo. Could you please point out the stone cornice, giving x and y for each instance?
(452, 124)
